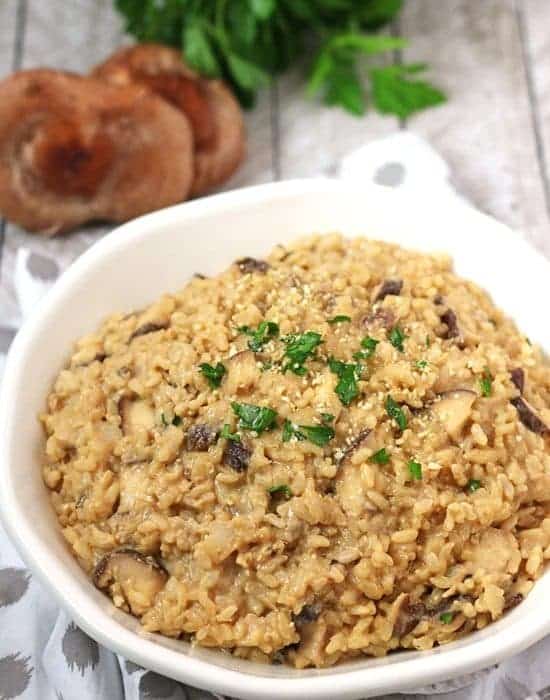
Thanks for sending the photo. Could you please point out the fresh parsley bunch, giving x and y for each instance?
(247, 42)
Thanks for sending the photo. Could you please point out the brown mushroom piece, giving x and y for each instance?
(242, 372)
(200, 437)
(453, 408)
(307, 615)
(135, 577)
(453, 331)
(408, 616)
(517, 376)
(74, 149)
(529, 417)
(381, 317)
(136, 415)
(236, 455)
(388, 288)
(213, 112)
(247, 265)
(362, 439)
(146, 329)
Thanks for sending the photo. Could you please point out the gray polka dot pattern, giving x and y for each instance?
(6, 337)
(131, 667)
(80, 651)
(390, 175)
(13, 585)
(155, 687)
(42, 268)
(15, 675)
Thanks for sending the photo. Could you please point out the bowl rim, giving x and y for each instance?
(482, 652)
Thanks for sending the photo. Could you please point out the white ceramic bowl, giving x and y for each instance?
(158, 253)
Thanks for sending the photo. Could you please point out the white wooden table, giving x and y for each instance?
(491, 56)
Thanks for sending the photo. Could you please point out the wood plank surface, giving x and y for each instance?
(485, 131)
(7, 36)
(535, 15)
(312, 137)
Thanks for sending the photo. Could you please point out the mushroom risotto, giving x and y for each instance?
(340, 450)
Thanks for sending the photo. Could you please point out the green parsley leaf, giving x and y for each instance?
(266, 366)
(244, 329)
(245, 73)
(282, 489)
(228, 435)
(266, 331)
(339, 319)
(376, 13)
(348, 375)
(394, 91)
(486, 383)
(421, 364)
(473, 485)
(327, 417)
(394, 410)
(262, 8)
(380, 457)
(415, 470)
(369, 347)
(446, 617)
(428, 341)
(250, 41)
(176, 420)
(319, 435)
(299, 347)
(199, 51)
(256, 418)
(396, 338)
(291, 430)
(213, 375)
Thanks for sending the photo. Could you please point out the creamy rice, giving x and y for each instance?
(395, 490)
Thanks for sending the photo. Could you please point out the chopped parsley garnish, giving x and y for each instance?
(339, 319)
(176, 420)
(347, 374)
(428, 341)
(228, 435)
(369, 348)
(380, 457)
(421, 364)
(300, 347)
(415, 470)
(394, 410)
(473, 485)
(486, 383)
(446, 617)
(319, 435)
(267, 365)
(396, 338)
(213, 374)
(282, 489)
(256, 418)
(327, 417)
(266, 331)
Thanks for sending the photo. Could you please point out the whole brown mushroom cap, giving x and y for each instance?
(210, 106)
(74, 149)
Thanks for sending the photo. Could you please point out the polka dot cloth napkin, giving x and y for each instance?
(43, 654)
